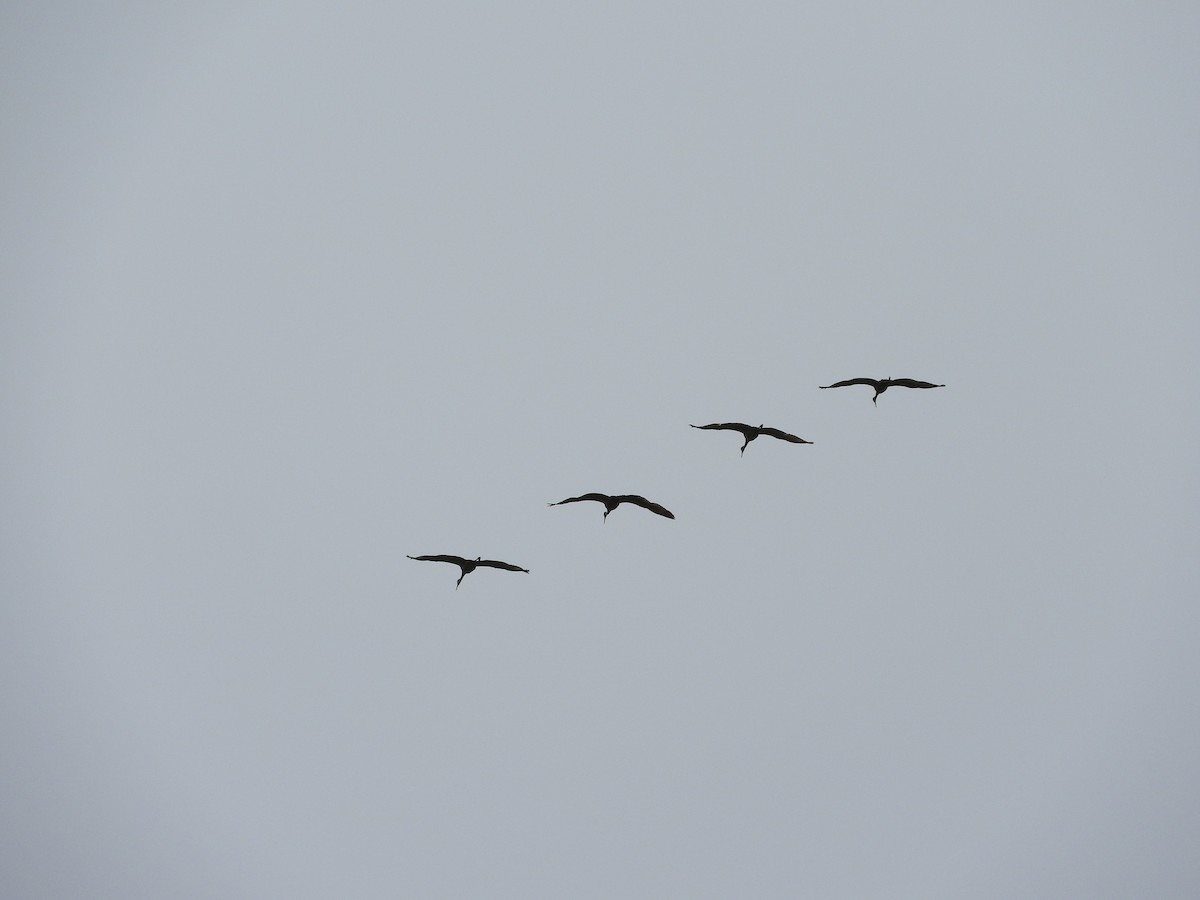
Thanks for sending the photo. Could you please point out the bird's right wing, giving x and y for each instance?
(913, 383)
(600, 498)
(849, 381)
(457, 560)
(726, 426)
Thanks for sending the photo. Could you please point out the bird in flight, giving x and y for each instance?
(469, 565)
(883, 384)
(615, 500)
(749, 432)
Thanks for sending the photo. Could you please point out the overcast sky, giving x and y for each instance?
(289, 291)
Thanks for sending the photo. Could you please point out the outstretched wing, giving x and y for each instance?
(656, 508)
(871, 381)
(913, 383)
(496, 564)
(784, 436)
(457, 560)
(726, 426)
(599, 498)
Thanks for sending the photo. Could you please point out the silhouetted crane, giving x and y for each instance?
(469, 565)
(883, 384)
(615, 500)
(749, 432)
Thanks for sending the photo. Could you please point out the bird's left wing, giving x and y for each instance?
(496, 564)
(784, 436)
(657, 508)
(913, 383)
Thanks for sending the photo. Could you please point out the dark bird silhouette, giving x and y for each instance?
(469, 565)
(615, 500)
(749, 432)
(883, 384)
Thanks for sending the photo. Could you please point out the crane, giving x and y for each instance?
(611, 502)
(468, 565)
(883, 384)
(749, 432)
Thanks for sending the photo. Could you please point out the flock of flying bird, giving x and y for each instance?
(612, 501)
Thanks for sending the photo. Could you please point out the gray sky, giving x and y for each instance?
(291, 293)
